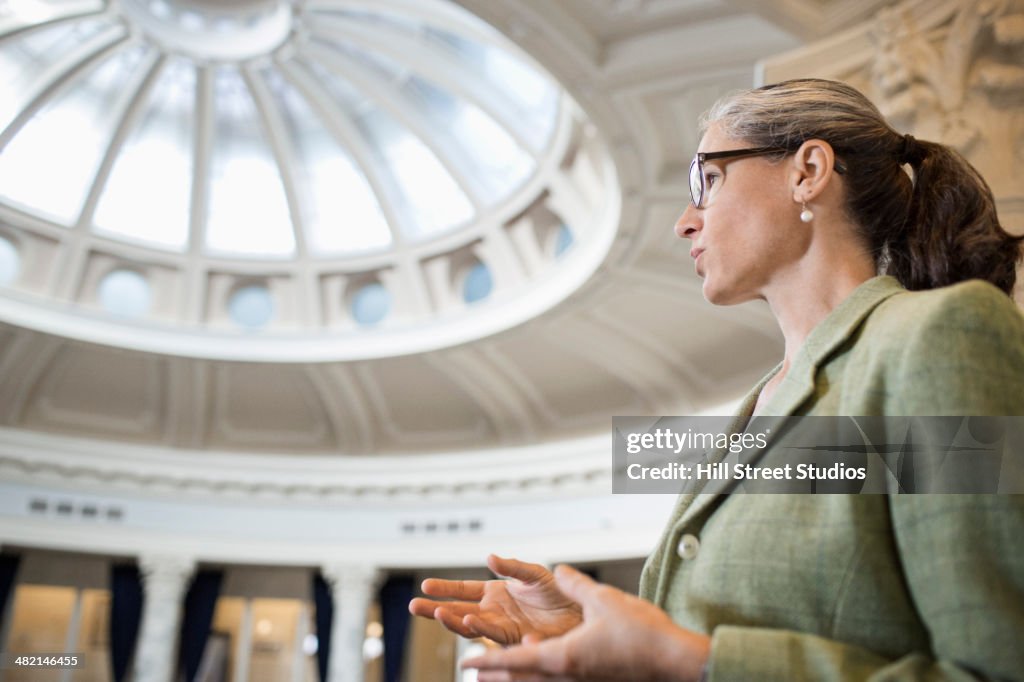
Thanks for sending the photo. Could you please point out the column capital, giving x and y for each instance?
(352, 578)
(165, 572)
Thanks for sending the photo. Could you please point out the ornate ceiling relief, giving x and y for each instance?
(951, 72)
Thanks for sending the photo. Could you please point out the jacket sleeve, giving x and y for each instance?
(962, 555)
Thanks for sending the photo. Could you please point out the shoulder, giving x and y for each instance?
(966, 310)
(954, 350)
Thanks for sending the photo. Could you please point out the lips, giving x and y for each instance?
(695, 252)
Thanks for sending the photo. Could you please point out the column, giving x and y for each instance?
(353, 588)
(164, 581)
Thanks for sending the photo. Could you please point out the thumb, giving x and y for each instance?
(519, 570)
(577, 586)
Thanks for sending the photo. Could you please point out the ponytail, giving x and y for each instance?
(951, 232)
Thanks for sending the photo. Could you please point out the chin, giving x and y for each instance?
(718, 295)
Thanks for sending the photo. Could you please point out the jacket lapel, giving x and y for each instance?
(799, 383)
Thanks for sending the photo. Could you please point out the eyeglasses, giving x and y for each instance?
(698, 181)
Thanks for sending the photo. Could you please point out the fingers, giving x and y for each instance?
(490, 630)
(469, 590)
(494, 676)
(517, 658)
(454, 623)
(545, 659)
(422, 607)
(449, 614)
(505, 676)
(513, 568)
(426, 607)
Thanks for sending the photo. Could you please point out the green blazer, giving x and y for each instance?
(865, 587)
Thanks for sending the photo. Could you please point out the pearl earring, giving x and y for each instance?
(806, 215)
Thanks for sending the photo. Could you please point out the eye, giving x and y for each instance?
(710, 178)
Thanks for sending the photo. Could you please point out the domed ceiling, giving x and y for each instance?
(352, 227)
(355, 179)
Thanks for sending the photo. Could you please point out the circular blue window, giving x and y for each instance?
(371, 304)
(251, 307)
(563, 241)
(125, 293)
(10, 262)
(478, 284)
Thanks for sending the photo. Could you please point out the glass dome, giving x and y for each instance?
(254, 129)
(316, 145)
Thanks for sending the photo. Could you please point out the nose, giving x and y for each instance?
(690, 223)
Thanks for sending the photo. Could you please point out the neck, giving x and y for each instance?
(804, 296)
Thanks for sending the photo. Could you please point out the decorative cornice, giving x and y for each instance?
(577, 466)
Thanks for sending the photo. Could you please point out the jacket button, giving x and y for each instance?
(688, 547)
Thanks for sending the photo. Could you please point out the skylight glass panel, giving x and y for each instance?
(437, 202)
(350, 99)
(147, 196)
(533, 94)
(380, 67)
(25, 57)
(340, 212)
(20, 13)
(374, 19)
(500, 164)
(49, 165)
(248, 211)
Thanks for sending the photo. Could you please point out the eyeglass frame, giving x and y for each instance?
(700, 157)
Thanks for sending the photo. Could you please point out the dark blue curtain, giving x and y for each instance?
(395, 596)
(125, 614)
(195, 623)
(8, 569)
(324, 617)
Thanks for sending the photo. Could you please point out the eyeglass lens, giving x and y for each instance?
(696, 183)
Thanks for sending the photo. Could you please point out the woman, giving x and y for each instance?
(800, 197)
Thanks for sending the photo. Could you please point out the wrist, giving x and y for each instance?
(689, 657)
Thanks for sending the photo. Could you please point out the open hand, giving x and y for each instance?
(506, 611)
(621, 638)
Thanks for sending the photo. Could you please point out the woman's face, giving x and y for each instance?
(747, 233)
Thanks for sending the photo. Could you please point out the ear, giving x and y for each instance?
(812, 169)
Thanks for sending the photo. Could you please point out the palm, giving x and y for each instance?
(521, 608)
(503, 610)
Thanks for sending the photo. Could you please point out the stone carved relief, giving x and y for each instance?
(950, 71)
(940, 72)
